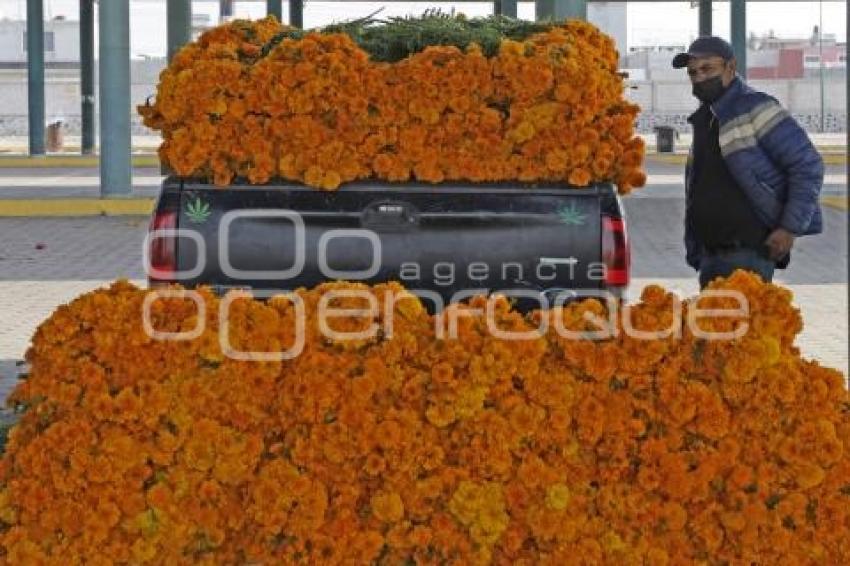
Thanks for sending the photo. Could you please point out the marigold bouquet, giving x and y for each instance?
(405, 447)
(434, 98)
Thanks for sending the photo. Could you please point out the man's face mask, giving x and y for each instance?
(709, 90)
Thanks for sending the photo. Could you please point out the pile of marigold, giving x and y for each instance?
(257, 101)
(405, 447)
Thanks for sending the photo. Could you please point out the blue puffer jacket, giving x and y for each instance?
(771, 158)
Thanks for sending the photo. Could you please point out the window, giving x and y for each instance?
(811, 59)
(842, 58)
(49, 41)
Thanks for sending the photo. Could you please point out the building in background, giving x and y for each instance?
(787, 68)
(655, 62)
(203, 22)
(611, 17)
(771, 57)
(774, 59)
(61, 43)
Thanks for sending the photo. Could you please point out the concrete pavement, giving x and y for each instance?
(76, 190)
(45, 262)
(18, 145)
(49, 261)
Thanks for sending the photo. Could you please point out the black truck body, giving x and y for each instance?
(454, 240)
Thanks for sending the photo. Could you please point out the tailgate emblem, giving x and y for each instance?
(558, 261)
(572, 216)
(197, 211)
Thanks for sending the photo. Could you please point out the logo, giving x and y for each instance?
(572, 216)
(197, 211)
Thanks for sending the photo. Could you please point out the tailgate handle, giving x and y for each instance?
(389, 214)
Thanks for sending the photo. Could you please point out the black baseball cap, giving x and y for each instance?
(704, 47)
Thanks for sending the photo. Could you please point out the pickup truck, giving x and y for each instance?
(530, 242)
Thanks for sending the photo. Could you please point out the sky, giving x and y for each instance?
(649, 23)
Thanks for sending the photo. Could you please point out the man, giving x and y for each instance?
(753, 178)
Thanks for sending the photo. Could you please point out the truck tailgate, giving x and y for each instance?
(443, 238)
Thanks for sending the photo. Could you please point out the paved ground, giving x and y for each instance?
(49, 261)
(20, 144)
(655, 226)
(27, 183)
(665, 181)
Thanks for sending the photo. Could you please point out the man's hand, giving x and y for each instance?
(779, 243)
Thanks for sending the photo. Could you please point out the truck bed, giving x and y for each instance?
(447, 238)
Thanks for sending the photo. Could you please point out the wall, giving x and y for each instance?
(611, 17)
(66, 41)
(785, 63)
(62, 97)
(670, 103)
(662, 102)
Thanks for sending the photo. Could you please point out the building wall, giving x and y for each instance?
(63, 97)
(663, 102)
(790, 62)
(761, 73)
(670, 103)
(831, 56)
(611, 18)
(66, 41)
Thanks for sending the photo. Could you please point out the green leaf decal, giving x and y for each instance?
(197, 211)
(572, 216)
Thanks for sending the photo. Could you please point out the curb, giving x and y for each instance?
(672, 158)
(80, 207)
(35, 208)
(682, 158)
(835, 201)
(152, 160)
(49, 161)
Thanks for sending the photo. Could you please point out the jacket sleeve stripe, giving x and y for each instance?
(744, 131)
(737, 145)
(766, 120)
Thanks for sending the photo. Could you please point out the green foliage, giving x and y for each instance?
(4, 436)
(198, 211)
(572, 216)
(397, 38)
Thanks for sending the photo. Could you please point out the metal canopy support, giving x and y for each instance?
(87, 74)
(739, 34)
(225, 9)
(704, 17)
(560, 9)
(296, 13)
(505, 7)
(275, 8)
(35, 75)
(114, 25)
(178, 25)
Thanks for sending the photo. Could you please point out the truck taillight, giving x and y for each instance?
(615, 252)
(163, 248)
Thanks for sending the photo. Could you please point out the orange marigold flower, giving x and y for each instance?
(415, 448)
(387, 507)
